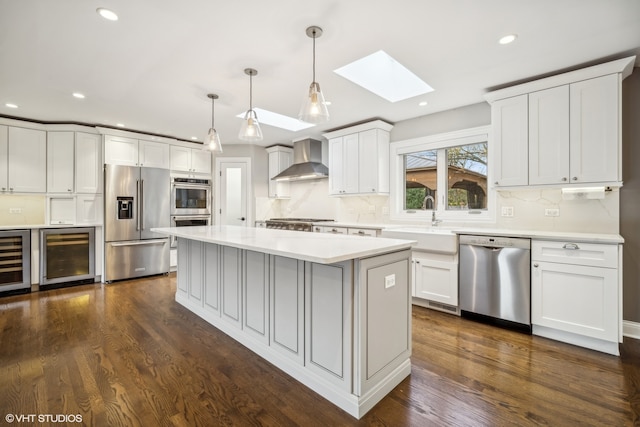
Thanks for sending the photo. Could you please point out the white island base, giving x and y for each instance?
(342, 329)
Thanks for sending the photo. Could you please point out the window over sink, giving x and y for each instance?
(445, 173)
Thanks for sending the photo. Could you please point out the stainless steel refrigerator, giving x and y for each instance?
(136, 200)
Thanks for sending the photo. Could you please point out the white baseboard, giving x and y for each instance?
(631, 329)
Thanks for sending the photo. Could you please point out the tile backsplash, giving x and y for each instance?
(22, 210)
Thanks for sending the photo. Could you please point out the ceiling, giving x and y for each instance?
(152, 69)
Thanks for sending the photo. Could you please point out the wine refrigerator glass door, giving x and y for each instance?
(67, 255)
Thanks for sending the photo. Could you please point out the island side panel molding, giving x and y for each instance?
(329, 320)
(287, 307)
(211, 277)
(196, 270)
(383, 345)
(182, 280)
(231, 263)
(256, 295)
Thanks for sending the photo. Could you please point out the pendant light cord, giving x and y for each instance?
(314, 57)
(213, 109)
(251, 91)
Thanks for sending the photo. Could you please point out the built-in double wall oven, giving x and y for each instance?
(190, 196)
(190, 203)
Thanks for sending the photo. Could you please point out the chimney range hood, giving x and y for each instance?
(307, 162)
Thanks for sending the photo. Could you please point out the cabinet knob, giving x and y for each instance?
(373, 189)
(495, 183)
(69, 190)
(10, 188)
(564, 178)
(535, 265)
(575, 178)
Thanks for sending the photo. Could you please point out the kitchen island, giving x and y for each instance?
(332, 311)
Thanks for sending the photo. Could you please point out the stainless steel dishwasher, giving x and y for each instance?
(495, 279)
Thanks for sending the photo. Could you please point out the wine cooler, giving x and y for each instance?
(67, 256)
(15, 260)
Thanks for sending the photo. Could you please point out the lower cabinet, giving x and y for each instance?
(435, 279)
(287, 307)
(575, 293)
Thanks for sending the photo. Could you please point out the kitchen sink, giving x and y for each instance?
(438, 240)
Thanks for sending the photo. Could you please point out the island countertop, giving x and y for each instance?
(323, 248)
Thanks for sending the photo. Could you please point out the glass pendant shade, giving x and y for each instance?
(212, 141)
(314, 109)
(250, 129)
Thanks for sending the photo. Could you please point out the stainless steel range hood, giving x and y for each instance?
(307, 162)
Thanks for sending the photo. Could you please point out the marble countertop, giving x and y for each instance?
(41, 226)
(323, 248)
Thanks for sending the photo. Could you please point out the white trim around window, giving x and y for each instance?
(435, 142)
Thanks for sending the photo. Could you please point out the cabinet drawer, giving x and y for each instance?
(334, 230)
(567, 252)
(363, 232)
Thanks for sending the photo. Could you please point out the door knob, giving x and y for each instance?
(241, 218)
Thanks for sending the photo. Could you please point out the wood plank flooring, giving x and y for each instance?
(127, 354)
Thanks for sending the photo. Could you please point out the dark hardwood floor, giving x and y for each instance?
(127, 354)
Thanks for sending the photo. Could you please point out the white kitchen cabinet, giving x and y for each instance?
(89, 208)
(182, 277)
(119, 150)
(255, 295)
(509, 157)
(212, 278)
(60, 162)
(435, 278)
(88, 163)
(287, 308)
(280, 158)
(369, 232)
(61, 210)
(73, 163)
(332, 230)
(26, 161)
(575, 293)
(595, 130)
(185, 159)
(561, 130)
(549, 136)
(359, 159)
(4, 159)
(153, 154)
(231, 285)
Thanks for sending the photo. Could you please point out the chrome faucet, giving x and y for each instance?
(434, 220)
(424, 202)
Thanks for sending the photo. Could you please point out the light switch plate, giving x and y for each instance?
(389, 281)
(552, 212)
(507, 211)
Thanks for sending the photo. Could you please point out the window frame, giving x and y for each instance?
(438, 142)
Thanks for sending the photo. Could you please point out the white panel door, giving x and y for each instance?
(153, 154)
(351, 164)
(595, 137)
(27, 160)
(88, 165)
(549, 136)
(336, 166)
(180, 158)
(120, 151)
(368, 161)
(200, 161)
(233, 205)
(60, 162)
(510, 158)
(436, 281)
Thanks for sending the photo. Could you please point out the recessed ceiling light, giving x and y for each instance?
(107, 14)
(120, 125)
(78, 95)
(10, 105)
(422, 104)
(278, 120)
(508, 39)
(195, 138)
(381, 74)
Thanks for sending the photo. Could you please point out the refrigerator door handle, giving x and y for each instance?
(142, 204)
(138, 205)
(139, 243)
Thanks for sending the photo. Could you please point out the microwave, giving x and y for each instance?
(190, 196)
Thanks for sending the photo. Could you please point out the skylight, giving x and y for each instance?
(381, 74)
(278, 120)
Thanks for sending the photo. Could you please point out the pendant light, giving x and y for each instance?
(212, 140)
(250, 128)
(314, 109)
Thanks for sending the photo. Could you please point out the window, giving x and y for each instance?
(446, 174)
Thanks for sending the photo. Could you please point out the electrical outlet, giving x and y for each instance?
(507, 211)
(552, 212)
(389, 281)
(15, 210)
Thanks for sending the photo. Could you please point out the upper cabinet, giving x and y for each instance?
(23, 160)
(560, 130)
(280, 158)
(193, 160)
(73, 162)
(359, 159)
(120, 150)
